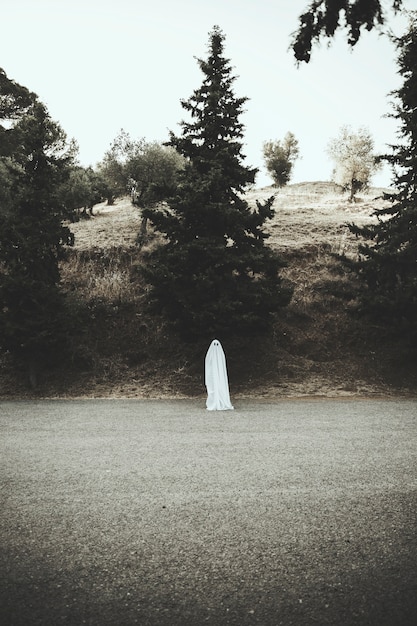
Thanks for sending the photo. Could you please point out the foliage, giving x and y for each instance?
(14, 98)
(214, 274)
(355, 162)
(32, 234)
(147, 170)
(280, 158)
(388, 258)
(84, 188)
(324, 17)
(111, 171)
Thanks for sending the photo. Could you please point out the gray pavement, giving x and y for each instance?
(294, 512)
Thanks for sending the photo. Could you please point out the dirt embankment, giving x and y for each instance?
(317, 347)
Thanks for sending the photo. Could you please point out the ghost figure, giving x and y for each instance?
(218, 398)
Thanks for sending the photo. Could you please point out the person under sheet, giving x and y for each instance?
(218, 398)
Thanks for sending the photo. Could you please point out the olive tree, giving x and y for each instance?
(147, 170)
(279, 157)
(354, 159)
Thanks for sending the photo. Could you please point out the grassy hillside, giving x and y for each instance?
(316, 347)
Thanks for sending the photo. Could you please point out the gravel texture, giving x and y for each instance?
(294, 512)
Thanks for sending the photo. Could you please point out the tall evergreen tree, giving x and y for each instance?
(388, 259)
(214, 274)
(32, 232)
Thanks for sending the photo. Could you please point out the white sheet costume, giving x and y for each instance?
(218, 398)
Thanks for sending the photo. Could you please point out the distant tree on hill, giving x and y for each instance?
(147, 170)
(84, 189)
(388, 257)
(34, 164)
(323, 18)
(279, 157)
(214, 274)
(354, 158)
(110, 169)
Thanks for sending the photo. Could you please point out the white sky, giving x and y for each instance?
(103, 65)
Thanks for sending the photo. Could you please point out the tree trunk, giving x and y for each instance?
(352, 190)
(143, 228)
(33, 374)
(142, 234)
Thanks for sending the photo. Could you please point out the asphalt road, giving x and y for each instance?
(122, 512)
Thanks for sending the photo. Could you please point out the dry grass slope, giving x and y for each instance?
(316, 348)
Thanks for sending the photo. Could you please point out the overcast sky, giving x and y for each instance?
(103, 65)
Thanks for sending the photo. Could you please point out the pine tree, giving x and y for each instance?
(32, 237)
(214, 274)
(388, 259)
